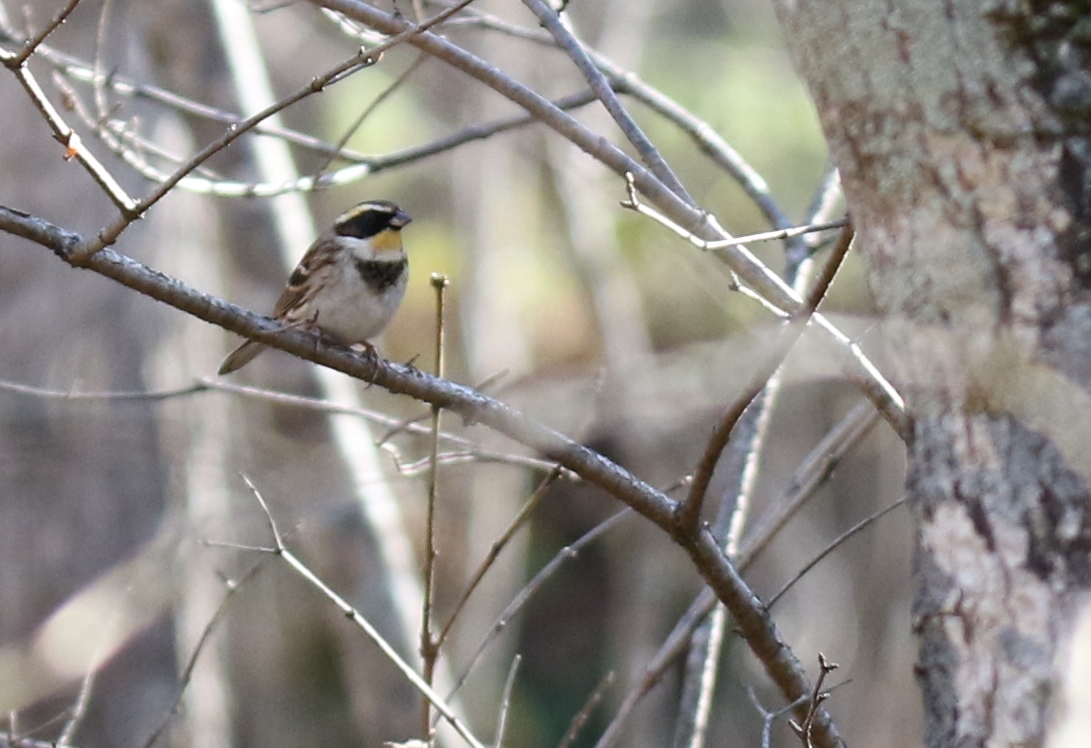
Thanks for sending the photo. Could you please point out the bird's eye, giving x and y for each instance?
(364, 223)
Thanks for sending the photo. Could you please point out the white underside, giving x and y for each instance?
(352, 312)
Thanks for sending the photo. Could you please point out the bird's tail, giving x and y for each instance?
(241, 356)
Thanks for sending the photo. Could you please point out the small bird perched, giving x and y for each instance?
(349, 284)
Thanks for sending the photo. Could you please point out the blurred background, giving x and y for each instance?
(123, 518)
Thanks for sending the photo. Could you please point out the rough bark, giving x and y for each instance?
(961, 131)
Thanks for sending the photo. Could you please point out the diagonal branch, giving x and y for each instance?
(746, 608)
(19, 59)
(62, 133)
(689, 512)
(649, 154)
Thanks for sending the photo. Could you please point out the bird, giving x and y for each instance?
(349, 284)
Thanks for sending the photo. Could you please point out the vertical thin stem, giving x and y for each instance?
(429, 647)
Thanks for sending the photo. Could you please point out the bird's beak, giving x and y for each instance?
(400, 219)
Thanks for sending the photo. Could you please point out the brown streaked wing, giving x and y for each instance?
(301, 285)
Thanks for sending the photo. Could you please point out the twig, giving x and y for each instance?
(831, 547)
(779, 234)
(471, 450)
(279, 549)
(813, 470)
(101, 37)
(817, 697)
(568, 553)
(79, 709)
(671, 648)
(110, 233)
(701, 673)
(826, 198)
(409, 423)
(74, 68)
(567, 41)
(429, 646)
(153, 395)
(382, 96)
(360, 165)
(689, 512)
(821, 208)
(350, 29)
(627, 82)
(20, 58)
(580, 720)
(768, 717)
(505, 702)
(65, 135)
(233, 586)
(498, 546)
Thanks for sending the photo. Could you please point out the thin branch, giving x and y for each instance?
(826, 198)
(75, 396)
(409, 422)
(813, 470)
(821, 208)
(233, 586)
(505, 702)
(360, 165)
(817, 697)
(584, 714)
(109, 234)
(374, 104)
(875, 386)
(361, 622)
(429, 646)
(831, 547)
(689, 513)
(76, 69)
(623, 81)
(20, 58)
(497, 547)
(471, 451)
(671, 648)
(568, 553)
(100, 49)
(768, 717)
(66, 136)
(79, 709)
(779, 234)
(566, 40)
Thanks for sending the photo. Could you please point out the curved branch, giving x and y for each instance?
(746, 608)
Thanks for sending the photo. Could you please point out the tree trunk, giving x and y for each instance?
(960, 129)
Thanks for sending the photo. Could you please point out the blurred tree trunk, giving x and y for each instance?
(960, 129)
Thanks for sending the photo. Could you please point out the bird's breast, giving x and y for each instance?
(380, 274)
